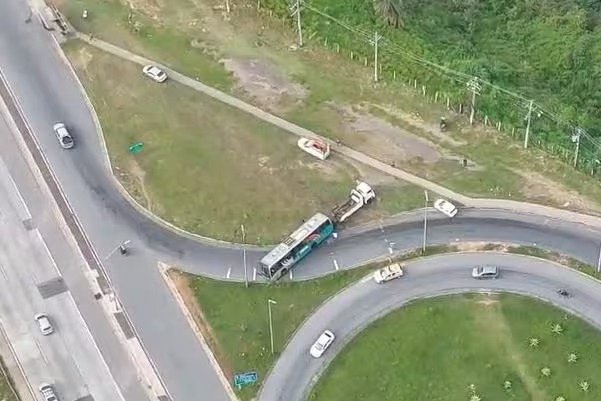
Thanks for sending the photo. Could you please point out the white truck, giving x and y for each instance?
(360, 196)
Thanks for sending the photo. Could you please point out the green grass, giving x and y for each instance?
(167, 34)
(434, 350)
(238, 318)
(205, 167)
(7, 392)
(555, 257)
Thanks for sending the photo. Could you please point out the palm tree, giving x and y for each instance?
(391, 10)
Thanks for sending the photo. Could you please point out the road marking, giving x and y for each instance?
(365, 279)
(390, 250)
(229, 272)
(6, 173)
(290, 274)
(254, 274)
(336, 264)
(381, 226)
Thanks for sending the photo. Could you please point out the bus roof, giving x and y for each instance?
(294, 239)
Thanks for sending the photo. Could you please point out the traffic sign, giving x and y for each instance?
(245, 379)
(136, 148)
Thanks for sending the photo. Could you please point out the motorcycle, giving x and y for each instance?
(563, 292)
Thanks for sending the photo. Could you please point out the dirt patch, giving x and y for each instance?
(383, 140)
(477, 246)
(151, 8)
(139, 174)
(416, 120)
(540, 189)
(180, 281)
(268, 87)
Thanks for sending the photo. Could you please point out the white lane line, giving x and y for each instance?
(229, 272)
(11, 182)
(39, 235)
(290, 274)
(336, 264)
(365, 279)
(390, 250)
(254, 274)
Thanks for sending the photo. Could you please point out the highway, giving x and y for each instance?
(42, 271)
(349, 312)
(47, 92)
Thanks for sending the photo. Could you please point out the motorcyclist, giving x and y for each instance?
(443, 124)
(563, 292)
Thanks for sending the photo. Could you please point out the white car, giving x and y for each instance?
(445, 207)
(484, 272)
(388, 273)
(48, 392)
(155, 73)
(44, 323)
(62, 134)
(321, 345)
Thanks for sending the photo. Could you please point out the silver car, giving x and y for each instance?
(482, 272)
(62, 134)
(48, 392)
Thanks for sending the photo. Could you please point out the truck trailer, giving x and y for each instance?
(360, 196)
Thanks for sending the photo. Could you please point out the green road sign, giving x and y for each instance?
(245, 379)
(136, 148)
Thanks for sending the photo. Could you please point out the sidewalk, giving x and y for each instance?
(521, 207)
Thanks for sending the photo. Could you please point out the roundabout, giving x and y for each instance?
(355, 308)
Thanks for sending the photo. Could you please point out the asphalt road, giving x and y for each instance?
(296, 372)
(47, 92)
(32, 282)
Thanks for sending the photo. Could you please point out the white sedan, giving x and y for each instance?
(155, 73)
(321, 345)
(445, 207)
(388, 273)
(44, 324)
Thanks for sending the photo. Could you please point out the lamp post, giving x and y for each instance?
(244, 255)
(599, 261)
(425, 220)
(269, 302)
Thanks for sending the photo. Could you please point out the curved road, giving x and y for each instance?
(47, 92)
(346, 314)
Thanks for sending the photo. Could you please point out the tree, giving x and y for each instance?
(391, 11)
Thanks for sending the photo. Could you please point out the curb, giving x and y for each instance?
(163, 269)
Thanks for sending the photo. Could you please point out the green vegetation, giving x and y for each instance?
(238, 321)
(205, 167)
(7, 388)
(339, 100)
(548, 51)
(470, 347)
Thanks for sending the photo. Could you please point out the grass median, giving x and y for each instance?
(209, 168)
(249, 54)
(469, 347)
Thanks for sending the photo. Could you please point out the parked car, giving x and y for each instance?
(388, 273)
(62, 134)
(44, 323)
(155, 73)
(48, 392)
(321, 345)
(445, 207)
(482, 272)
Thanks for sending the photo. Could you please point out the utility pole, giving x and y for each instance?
(425, 220)
(244, 255)
(269, 302)
(374, 42)
(576, 139)
(528, 118)
(296, 10)
(473, 86)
